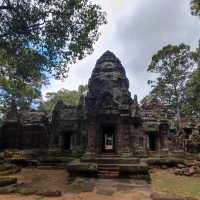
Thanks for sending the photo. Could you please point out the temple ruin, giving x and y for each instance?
(107, 123)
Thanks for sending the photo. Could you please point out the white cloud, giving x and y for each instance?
(135, 31)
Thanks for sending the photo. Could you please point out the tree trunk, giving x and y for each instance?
(178, 118)
(13, 114)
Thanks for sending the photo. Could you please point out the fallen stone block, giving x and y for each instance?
(7, 181)
(7, 190)
(49, 193)
(26, 191)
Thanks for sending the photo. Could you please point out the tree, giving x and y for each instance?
(21, 78)
(193, 88)
(193, 94)
(173, 65)
(160, 91)
(69, 97)
(82, 89)
(195, 7)
(60, 30)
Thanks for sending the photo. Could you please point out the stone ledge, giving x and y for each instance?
(82, 169)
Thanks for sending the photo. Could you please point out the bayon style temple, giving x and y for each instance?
(107, 120)
(107, 123)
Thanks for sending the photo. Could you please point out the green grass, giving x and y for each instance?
(165, 181)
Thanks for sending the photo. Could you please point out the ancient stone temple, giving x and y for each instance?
(113, 123)
(107, 121)
(157, 123)
(27, 130)
(114, 133)
(109, 131)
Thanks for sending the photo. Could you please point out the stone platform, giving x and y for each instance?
(110, 167)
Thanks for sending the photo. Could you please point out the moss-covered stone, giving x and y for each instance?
(19, 161)
(7, 190)
(7, 181)
(49, 193)
(5, 167)
(134, 169)
(26, 191)
(11, 171)
(169, 162)
(82, 169)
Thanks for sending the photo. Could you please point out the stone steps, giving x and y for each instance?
(108, 171)
(110, 155)
(8, 169)
(112, 160)
(5, 181)
(110, 167)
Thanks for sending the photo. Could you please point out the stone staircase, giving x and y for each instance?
(111, 159)
(110, 166)
(108, 171)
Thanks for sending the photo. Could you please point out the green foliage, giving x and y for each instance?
(195, 7)
(192, 104)
(193, 93)
(21, 77)
(82, 88)
(173, 65)
(62, 31)
(69, 97)
(39, 37)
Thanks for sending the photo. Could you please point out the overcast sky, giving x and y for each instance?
(136, 30)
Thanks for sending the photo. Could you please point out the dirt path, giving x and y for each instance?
(94, 189)
(43, 179)
(102, 189)
(83, 196)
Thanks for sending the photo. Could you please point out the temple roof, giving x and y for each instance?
(108, 56)
(28, 117)
(108, 85)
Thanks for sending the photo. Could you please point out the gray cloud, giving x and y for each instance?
(134, 33)
(151, 26)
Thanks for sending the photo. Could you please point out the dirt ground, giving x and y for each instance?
(43, 179)
(82, 196)
(98, 189)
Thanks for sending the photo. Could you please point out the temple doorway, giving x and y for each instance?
(152, 141)
(108, 142)
(67, 143)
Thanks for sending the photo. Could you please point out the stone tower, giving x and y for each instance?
(108, 86)
(111, 127)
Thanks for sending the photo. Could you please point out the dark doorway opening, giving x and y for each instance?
(108, 142)
(188, 132)
(67, 141)
(152, 142)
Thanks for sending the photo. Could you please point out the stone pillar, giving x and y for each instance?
(125, 140)
(119, 138)
(141, 142)
(133, 138)
(91, 144)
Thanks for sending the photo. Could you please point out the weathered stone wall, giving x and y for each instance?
(29, 131)
(24, 137)
(65, 125)
(107, 103)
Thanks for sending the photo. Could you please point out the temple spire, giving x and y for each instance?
(108, 56)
